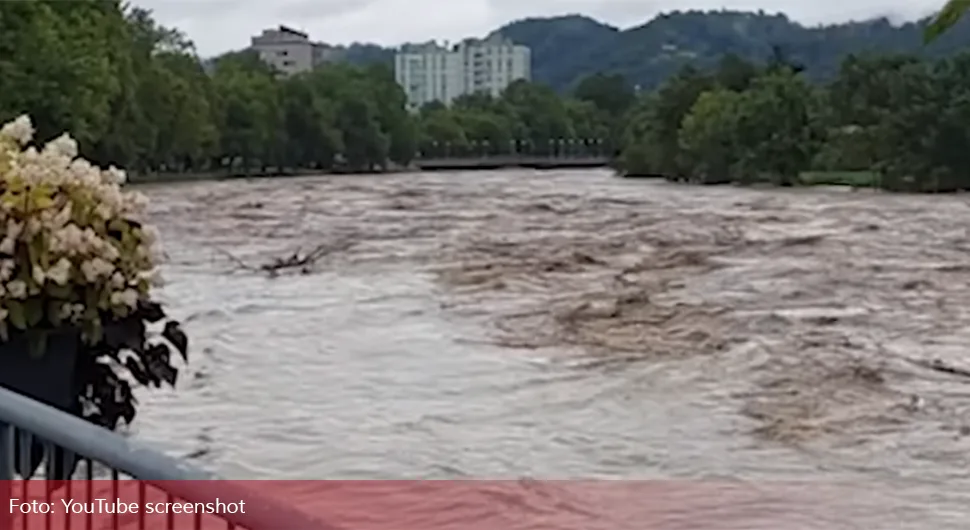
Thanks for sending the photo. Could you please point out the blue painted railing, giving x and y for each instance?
(107, 454)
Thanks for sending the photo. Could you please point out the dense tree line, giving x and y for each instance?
(136, 95)
(529, 118)
(900, 120)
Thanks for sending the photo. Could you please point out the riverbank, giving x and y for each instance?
(472, 164)
(850, 179)
(200, 176)
(497, 162)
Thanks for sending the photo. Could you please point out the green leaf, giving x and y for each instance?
(946, 19)
(16, 314)
(33, 311)
(61, 292)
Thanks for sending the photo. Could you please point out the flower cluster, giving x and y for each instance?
(73, 249)
(76, 258)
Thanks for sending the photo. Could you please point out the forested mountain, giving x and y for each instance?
(568, 48)
(559, 45)
(648, 54)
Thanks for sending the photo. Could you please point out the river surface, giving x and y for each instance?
(575, 325)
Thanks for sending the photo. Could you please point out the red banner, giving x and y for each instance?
(431, 505)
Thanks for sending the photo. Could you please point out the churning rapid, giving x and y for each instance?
(565, 325)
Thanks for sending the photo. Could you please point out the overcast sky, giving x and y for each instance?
(217, 26)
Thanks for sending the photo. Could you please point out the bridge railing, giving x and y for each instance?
(103, 454)
(551, 148)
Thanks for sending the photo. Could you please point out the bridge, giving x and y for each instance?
(510, 161)
(552, 154)
(105, 454)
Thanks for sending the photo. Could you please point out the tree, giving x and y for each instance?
(609, 93)
(136, 94)
(542, 116)
(734, 73)
(249, 113)
(709, 147)
(651, 142)
(46, 47)
(775, 132)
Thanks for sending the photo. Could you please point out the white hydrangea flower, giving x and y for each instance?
(14, 228)
(32, 227)
(80, 247)
(128, 297)
(21, 130)
(134, 202)
(153, 277)
(96, 268)
(6, 269)
(103, 211)
(60, 272)
(62, 218)
(113, 175)
(17, 289)
(110, 252)
(63, 146)
(8, 245)
(83, 172)
(149, 234)
(39, 275)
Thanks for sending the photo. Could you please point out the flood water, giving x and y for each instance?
(575, 325)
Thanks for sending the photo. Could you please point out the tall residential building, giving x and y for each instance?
(428, 72)
(290, 51)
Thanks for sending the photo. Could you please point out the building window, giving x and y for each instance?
(288, 63)
(283, 53)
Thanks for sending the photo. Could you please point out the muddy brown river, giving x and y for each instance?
(576, 325)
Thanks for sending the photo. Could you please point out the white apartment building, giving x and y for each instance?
(290, 51)
(429, 72)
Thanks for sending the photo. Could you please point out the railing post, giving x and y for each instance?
(6, 451)
(6, 474)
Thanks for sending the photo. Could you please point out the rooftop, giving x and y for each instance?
(291, 31)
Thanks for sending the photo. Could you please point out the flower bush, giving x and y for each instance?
(76, 256)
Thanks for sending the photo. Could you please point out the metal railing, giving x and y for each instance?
(564, 148)
(72, 444)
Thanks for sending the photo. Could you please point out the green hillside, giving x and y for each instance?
(568, 48)
(648, 54)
